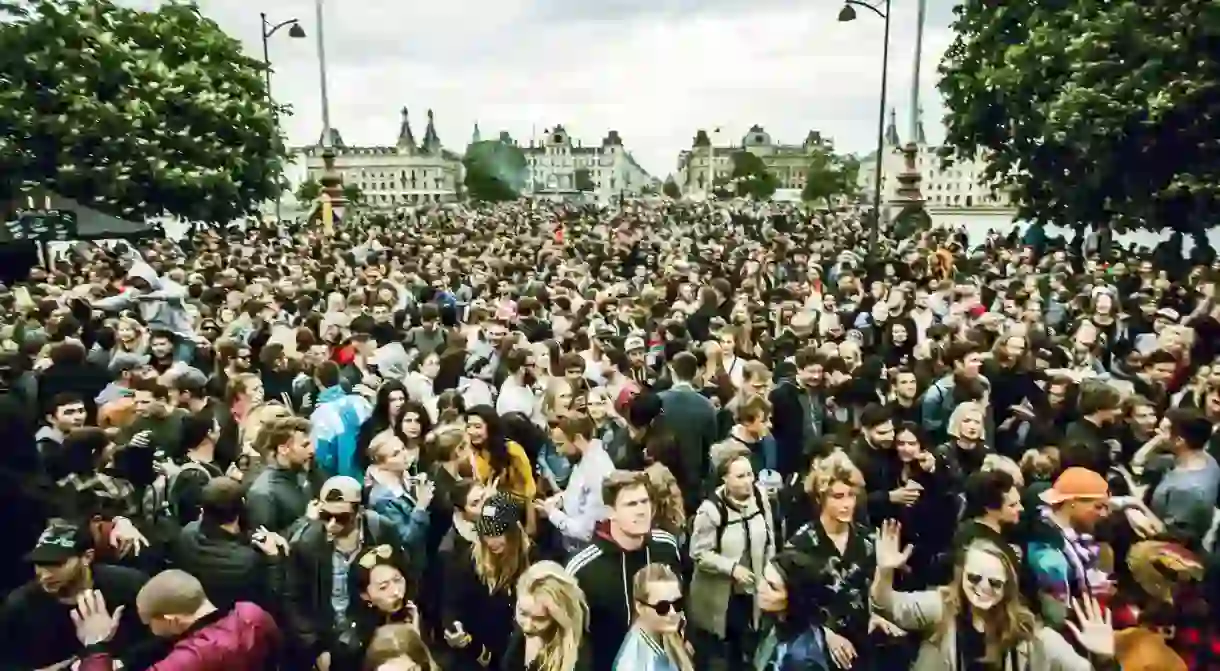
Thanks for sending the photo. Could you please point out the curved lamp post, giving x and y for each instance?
(848, 13)
(295, 32)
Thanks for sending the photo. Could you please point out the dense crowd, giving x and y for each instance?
(659, 437)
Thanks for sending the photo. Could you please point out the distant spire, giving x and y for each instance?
(476, 137)
(432, 142)
(891, 131)
(920, 137)
(406, 139)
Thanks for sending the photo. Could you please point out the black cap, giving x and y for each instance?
(500, 512)
(59, 542)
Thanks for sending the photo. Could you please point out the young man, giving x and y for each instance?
(35, 620)
(623, 546)
(279, 495)
(577, 510)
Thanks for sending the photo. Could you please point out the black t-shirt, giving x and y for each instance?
(37, 629)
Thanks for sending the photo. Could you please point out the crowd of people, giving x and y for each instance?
(658, 437)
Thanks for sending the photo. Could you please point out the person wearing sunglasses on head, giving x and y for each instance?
(978, 621)
(323, 554)
(655, 641)
(381, 595)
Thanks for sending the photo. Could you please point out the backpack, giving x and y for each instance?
(722, 509)
(159, 500)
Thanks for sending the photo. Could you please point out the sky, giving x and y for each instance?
(654, 70)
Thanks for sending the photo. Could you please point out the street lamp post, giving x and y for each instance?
(848, 13)
(295, 32)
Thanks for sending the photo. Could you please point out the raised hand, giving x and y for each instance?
(890, 553)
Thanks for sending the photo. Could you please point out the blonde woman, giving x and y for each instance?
(967, 445)
(551, 618)
(398, 647)
(654, 642)
(979, 620)
(732, 540)
(668, 508)
(129, 337)
(477, 607)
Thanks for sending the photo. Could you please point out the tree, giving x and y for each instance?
(583, 180)
(135, 113)
(1084, 124)
(751, 178)
(495, 171)
(829, 177)
(353, 194)
(670, 188)
(309, 191)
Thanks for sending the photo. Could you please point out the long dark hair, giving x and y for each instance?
(496, 446)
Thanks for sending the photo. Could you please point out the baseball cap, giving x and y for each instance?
(127, 362)
(341, 489)
(59, 542)
(1168, 313)
(1076, 483)
(190, 379)
(633, 344)
(500, 512)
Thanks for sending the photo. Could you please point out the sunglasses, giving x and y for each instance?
(996, 584)
(664, 608)
(342, 519)
(374, 556)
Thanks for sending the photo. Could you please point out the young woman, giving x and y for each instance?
(967, 446)
(500, 463)
(399, 497)
(398, 647)
(478, 596)
(668, 508)
(390, 398)
(379, 589)
(791, 638)
(655, 640)
(411, 424)
(732, 540)
(420, 382)
(978, 621)
(551, 618)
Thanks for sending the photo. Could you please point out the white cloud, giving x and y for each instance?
(655, 75)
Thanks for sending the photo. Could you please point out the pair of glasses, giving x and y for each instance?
(664, 608)
(373, 556)
(342, 519)
(996, 584)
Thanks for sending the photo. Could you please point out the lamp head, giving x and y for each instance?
(848, 13)
(296, 31)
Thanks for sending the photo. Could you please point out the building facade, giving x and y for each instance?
(955, 185)
(560, 167)
(406, 173)
(705, 164)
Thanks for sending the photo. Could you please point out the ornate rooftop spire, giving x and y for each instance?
(406, 139)
(920, 136)
(432, 142)
(891, 131)
(476, 136)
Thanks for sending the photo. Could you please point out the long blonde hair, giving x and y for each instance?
(675, 647)
(497, 572)
(560, 595)
(1008, 624)
(668, 509)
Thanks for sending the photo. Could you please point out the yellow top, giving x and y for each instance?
(519, 480)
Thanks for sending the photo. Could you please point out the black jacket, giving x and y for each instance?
(605, 573)
(309, 618)
(514, 658)
(276, 499)
(229, 566)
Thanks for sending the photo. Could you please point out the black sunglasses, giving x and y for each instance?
(666, 607)
(995, 584)
(342, 519)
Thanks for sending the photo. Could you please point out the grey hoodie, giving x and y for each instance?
(161, 308)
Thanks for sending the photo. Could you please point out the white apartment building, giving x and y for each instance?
(959, 185)
(705, 163)
(558, 165)
(407, 173)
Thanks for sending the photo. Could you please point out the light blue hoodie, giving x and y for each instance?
(335, 422)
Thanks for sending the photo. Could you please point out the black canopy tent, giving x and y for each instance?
(58, 219)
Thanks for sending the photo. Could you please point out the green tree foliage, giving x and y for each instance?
(670, 188)
(1104, 111)
(751, 178)
(830, 177)
(495, 171)
(135, 113)
(584, 180)
(308, 191)
(353, 194)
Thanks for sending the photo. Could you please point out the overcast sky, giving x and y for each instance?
(655, 70)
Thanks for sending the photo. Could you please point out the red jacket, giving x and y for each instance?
(243, 639)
